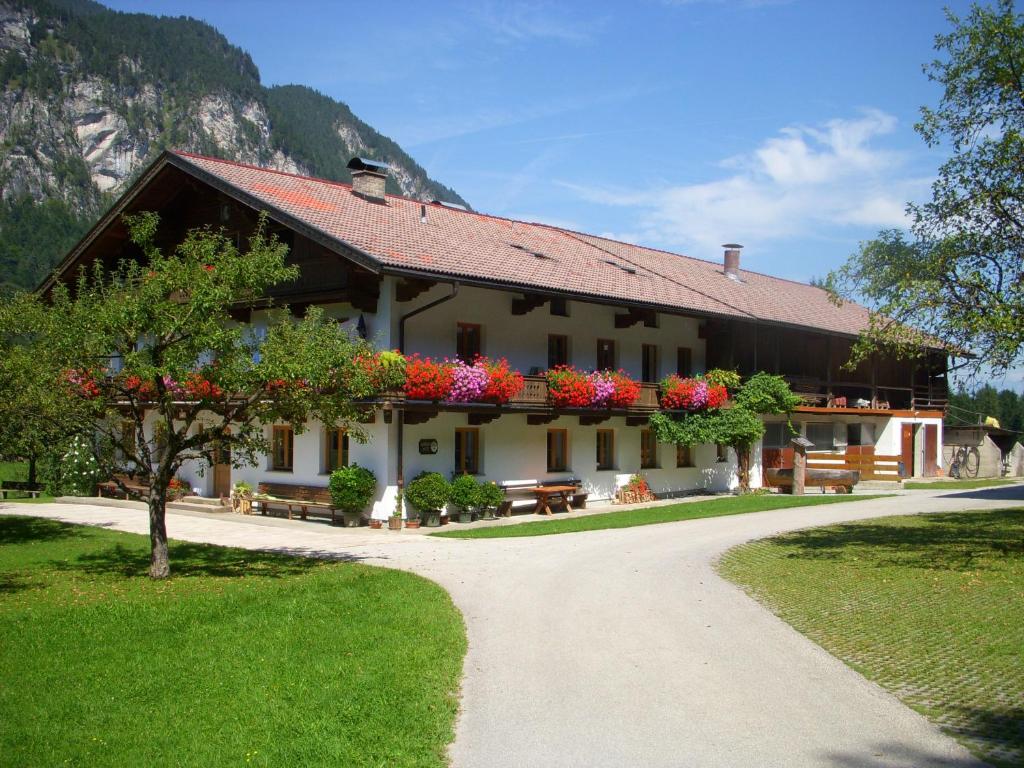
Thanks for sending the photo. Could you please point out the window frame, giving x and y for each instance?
(832, 441)
(608, 451)
(557, 338)
(551, 450)
(342, 449)
(459, 454)
(687, 452)
(601, 354)
(684, 353)
(650, 355)
(461, 350)
(648, 449)
(288, 454)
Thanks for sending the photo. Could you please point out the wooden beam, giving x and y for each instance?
(538, 419)
(476, 419)
(419, 417)
(409, 288)
(528, 303)
(633, 316)
(593, 420)
(636, 421)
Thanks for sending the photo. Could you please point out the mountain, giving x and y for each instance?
(90, 96)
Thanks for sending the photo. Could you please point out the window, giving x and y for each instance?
(560, 307)
(606, 449)
(558, 350)
(467, 451)
(721, 453)
(684, 361)
(649, 363)
(822, 434)
(776, 435)
(648, 449)
(467, 342)
(860, 434)
(558, 450)
(605, 355)
(336, 452)
(684, 456)
(282, 445)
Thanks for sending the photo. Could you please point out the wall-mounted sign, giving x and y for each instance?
(428, 447)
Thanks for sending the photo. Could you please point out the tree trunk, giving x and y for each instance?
(32, 469)
(159, 564)
(743, 468)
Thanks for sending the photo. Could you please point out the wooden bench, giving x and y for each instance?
(33, 489)
(517, 491)
(307, 499)
(117, 486)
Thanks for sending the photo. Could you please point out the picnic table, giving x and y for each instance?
(560, 494)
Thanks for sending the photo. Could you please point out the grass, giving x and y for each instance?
(929, 606)
(241, 658)
(18, 470)
(963, 485)
(628, 518)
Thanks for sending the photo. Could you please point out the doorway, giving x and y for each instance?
(221, 471)
(907, 448)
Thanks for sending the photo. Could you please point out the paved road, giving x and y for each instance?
(625, 648)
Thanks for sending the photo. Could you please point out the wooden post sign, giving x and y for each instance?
(800, 446)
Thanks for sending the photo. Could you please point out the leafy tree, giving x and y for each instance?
(959, 274)
(150, 353)
(738, 426)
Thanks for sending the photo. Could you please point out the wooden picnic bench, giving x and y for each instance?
(540, 495)
(33, 489)
(306, 499)
(117, 489)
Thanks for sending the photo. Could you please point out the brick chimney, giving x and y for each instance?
(732, 260)
(368, 178)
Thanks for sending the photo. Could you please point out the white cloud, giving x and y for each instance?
(802, 181)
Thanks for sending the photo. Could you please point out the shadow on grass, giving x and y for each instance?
(998, 733)
(953, 541)
(22, 530)
(205, 560)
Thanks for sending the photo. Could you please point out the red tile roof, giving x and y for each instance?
(473, 246)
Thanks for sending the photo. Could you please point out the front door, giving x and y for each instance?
(931, 448)
(222, 472)
(907, 449)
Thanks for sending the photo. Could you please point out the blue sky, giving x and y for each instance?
(784, 125)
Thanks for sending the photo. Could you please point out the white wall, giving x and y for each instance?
(523, 339)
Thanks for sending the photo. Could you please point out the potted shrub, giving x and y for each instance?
(352, 488)
(490, 497)
(428, 492)
(465, 496)
(241, 498)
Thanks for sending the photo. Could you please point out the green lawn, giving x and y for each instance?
(627, 518)
(965, 485)
(241, 658)
(18, 470)
(929, 606)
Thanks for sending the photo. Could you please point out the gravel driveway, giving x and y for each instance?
(624, 647)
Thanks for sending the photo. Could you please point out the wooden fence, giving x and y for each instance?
(871, 466)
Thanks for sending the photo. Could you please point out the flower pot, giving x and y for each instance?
(394, 523)
(487, 514)
(465, 517)
(352, 519)
(376, 522)
(432, 519)
(412, 522)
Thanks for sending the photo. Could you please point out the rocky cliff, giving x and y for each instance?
(90, 96)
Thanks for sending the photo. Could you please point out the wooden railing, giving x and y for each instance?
(871, 466)
(929, 399)
(535, 393)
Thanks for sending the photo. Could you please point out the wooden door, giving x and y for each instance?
(931, 448)
(222, 472)
(907, 449)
